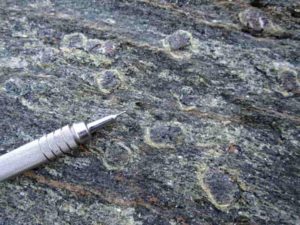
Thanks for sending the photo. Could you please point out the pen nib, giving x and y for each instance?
(94, 126)
(119, 114)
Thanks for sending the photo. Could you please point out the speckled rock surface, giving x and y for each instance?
(212, 94)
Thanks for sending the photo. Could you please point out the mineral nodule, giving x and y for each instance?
(211, 91)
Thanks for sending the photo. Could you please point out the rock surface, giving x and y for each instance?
(211, 90)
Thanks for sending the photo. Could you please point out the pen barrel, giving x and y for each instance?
(37, 152)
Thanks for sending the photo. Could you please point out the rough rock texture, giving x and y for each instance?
(212, 93)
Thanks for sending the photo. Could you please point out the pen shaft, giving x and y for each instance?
(49, 147)
(24, 158)
(37, 152)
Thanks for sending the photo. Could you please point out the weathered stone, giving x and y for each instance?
(167, 134)
(256, 21)
(164, 135)
(178, 40)
(13, 86)
(290, 81)
(220, 189)
(108, 80)
(211, 133)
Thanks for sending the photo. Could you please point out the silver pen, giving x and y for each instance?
(49, 147)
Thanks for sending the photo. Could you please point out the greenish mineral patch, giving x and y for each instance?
(75, 40)
(117, 157)
(108, 80)
(211, 93)
(220, 189)
(81, 57)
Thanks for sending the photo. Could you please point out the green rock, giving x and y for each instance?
(211, 91)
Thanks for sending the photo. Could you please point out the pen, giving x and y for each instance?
(49, 147)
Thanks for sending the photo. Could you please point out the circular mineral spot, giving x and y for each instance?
(116, 156)
(187, 97)
(254, 20)
(108, 80)
(186, 90)
(289, 81)
(17, 87)
(164, 135)
(13, 87)
(178, 40)
(221, 190)
(74, 40)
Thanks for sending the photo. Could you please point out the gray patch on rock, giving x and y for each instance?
(108, 80)
(219, 187)
(116, 156)
(256, 21)
(165, 134)
(290, 81)
(179, 40)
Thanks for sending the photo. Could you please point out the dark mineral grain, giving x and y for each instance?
(211, 90)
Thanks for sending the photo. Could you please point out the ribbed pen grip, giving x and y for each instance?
(49, 147)
(57, 143)
(37, 152)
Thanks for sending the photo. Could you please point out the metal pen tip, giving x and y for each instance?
(94, 126)
(119, 114)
